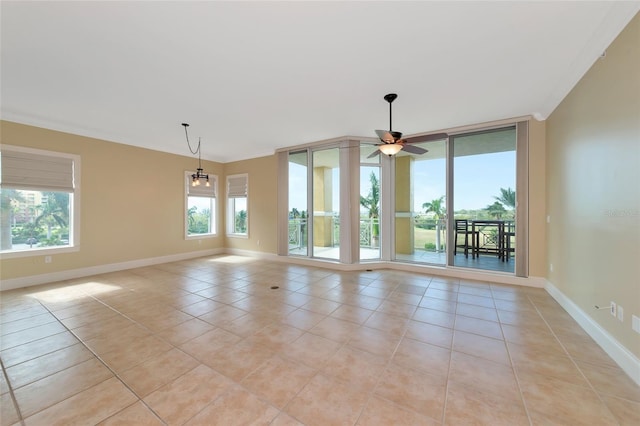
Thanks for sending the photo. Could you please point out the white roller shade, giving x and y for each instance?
(33, 171)
(201, 190)
(237, 186)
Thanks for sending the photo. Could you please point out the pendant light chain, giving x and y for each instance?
(195, 178)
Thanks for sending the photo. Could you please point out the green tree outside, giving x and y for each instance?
(438, 209)
(372, 203)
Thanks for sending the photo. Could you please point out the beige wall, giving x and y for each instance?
(593, 187)
(125, 217)
(132, 202)
(537, 200)
(263, 202)
(403, 187)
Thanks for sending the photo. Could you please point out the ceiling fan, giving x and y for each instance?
(392, 142)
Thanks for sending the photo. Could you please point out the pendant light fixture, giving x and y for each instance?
(199, 174)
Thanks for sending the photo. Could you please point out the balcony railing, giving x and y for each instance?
(297, 233)
(369, 232)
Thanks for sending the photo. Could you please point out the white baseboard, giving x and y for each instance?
(462, 273)
(619, 353)
(51, 277)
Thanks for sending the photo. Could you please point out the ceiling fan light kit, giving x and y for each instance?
(392, 142)
(199, 174)
(390, 149)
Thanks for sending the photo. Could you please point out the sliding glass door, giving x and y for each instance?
(483, 183)
(462, 204)
(298, 226)
(370, 204)
(420, 204)
(326, 203)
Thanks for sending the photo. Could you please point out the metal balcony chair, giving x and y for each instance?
(462, 230)
(508, 243)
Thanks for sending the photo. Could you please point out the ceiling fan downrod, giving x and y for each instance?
(390, 98)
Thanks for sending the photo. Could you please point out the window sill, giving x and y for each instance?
(199, 236)
(246, 236)
(38, 252)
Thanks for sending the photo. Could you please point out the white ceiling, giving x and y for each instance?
(251, 77)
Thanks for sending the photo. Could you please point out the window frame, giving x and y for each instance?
(213, 216)
(388, 197)
(230, 208)
(74, 205)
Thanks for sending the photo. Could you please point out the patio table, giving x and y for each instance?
(485, 242)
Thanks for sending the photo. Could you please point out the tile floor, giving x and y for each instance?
(207, 341)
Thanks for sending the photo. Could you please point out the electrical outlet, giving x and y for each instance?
(620, 313)
(635, 323)
(551, 267)
(612, 307)
(47, 259)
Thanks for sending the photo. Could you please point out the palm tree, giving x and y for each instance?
(7, 196)
(54, 211)
(191, 215)
(507, 197)
(496, 210)
(372, 204)
(438, 209)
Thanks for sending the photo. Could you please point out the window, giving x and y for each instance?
(409, 203)
(326, 203)
(201, 207)
(369, 204)
(483, 168)
(420, 204)
(298, 228)
(39, 201)
(237, 212)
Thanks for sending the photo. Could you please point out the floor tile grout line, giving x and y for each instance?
(237, 383)
(573, 361)
(3, 335)
(443, 419)
(343, 345)
(11, 393)
(70, 396)
(540, 307)
(103, 363)
(515, 374)
(389, 363)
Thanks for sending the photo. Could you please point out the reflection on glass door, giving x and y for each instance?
(326, 203)
(420, 205)
(298, 227)
(484, 181)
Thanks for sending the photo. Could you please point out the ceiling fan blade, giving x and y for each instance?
(414, 149)
(374, 153)
(427, 138)
(385, 136)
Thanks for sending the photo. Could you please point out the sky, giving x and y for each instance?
(477, 180)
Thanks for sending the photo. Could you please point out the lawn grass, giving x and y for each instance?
(423, 236)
